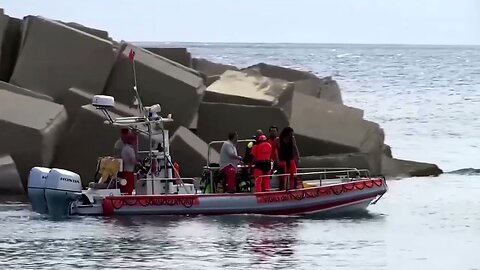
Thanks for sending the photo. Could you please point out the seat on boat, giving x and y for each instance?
(108, 169)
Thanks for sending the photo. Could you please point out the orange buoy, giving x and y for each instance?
(107, 206)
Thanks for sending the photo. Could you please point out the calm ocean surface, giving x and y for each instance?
(428, 101)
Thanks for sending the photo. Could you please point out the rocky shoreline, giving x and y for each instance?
(50, 70)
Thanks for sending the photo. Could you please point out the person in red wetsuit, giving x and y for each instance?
(288, 156)
(262, 158)
(129, 159)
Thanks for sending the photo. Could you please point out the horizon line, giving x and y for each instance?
(309, 43)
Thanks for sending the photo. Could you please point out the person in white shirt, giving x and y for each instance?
(120, 142)
(129, 159)
(229, 160)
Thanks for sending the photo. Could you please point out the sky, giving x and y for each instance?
(441, 22)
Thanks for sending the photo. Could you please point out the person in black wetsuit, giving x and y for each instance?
(288, 156)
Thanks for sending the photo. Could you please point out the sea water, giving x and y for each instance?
(427, 100)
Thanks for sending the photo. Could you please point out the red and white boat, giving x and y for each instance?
(59, 192)
(160, 191)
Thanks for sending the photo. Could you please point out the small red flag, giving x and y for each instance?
(131, 54)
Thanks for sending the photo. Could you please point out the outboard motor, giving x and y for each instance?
(36, 189)
(62, 187)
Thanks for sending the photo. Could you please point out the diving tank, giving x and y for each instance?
(36, 189)
(61, 188)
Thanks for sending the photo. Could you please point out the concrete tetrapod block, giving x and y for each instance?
(3, 29)
(247, 88)
(215, 120)
(211, 79)
(303, 106)
(178, 55)
(392, 167)
(176, 88)
(74, 99)
(92, 31)
(54, 57)
(287, 74)
(10, 182)
(325, 88)
(348, 160)
(387, 150)
(210, 68)
(10, 35)
(319, 120)
(31, 129)
(87, 139)
(190, 152)
(22, 91)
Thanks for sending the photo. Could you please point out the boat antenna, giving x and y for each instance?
(138, 101)
(141, 109)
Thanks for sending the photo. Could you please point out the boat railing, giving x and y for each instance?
(179, 180)
(323, 176)
(210, 145)
(328, 170)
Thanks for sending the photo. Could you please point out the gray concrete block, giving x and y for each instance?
(348, 160)
(210, 68)
(325, 88)
(190, 152)
(211, 79)
(387, 150)
(304, 107)
(215, 120)
(397, 168)
(194, 123)
(3, 29)
(31, 129)
(325, 121)
(23, 91)
(178, 89)
(74, 99)
(10, 182)
(92, 31)
(178, 55)
(10, 35)
(54, 57)
(287, 74)
(248, 88)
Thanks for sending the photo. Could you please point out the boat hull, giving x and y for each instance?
(336, 198)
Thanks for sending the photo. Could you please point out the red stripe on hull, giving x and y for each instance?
(112, 203)
(298, 194)
(317, 208)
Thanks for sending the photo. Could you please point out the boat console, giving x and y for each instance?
(156, 171)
